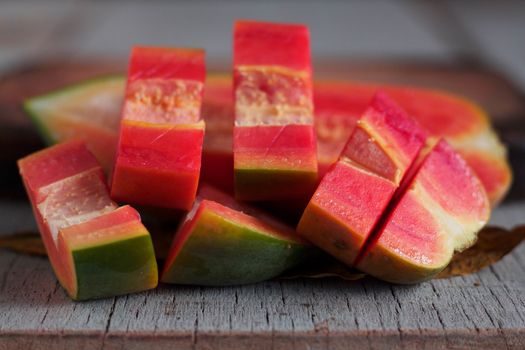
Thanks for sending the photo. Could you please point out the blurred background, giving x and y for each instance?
(475, 48)
(482, 32)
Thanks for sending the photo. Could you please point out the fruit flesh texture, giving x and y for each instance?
(69, 198)
(160, 145)
(462, 123)
(222, 242)
(274, 142)
(439, 211)
(123, 261)
(352, 196)
(338, 105)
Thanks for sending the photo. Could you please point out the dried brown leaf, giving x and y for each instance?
(492, 245)
(24, 242)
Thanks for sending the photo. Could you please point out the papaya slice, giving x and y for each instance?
(274, 145)
(395, 217)
(66, 114)
(159, 151)
(355, 192)
(222, 242)
(96, 249)
(439, 211)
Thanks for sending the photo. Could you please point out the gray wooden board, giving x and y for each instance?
(485, 310)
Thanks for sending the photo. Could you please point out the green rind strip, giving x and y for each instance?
(220, 252)
(116, 268)
(31, 108)
(37, 120)
(271, 184)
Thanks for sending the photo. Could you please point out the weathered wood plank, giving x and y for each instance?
(484, 310)
(481, 310)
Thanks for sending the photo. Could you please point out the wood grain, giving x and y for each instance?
(485, 310)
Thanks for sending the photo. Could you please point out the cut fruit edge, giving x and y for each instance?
(103, 224)
(273, 106)
(233, 212)
(479, 145)
(385, 136)
(161, 111)
(433, 165)
(460, 235)
(394, 135)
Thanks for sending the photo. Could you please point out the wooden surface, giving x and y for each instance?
(486, 310)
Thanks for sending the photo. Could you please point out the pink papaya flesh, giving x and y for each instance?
(274, 145)
(96, 249)
(354, 193)
(158, 156)
(430, 209)
(224, 242)
(437, 212)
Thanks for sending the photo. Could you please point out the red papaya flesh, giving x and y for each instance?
(338, 106)
(405, 228)
(222, 242)
(96, 249)
(274, 144)
(91, 110)
(158, 156)
(355, 192)
(437, 212)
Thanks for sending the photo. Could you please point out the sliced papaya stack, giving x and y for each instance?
(91, 111)
(355, 192)
(274, 144)
(223, 242)
(67, 114)
(438, 211)
(159, 152)
(460, 121)
(404, 230)
(96, 249)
